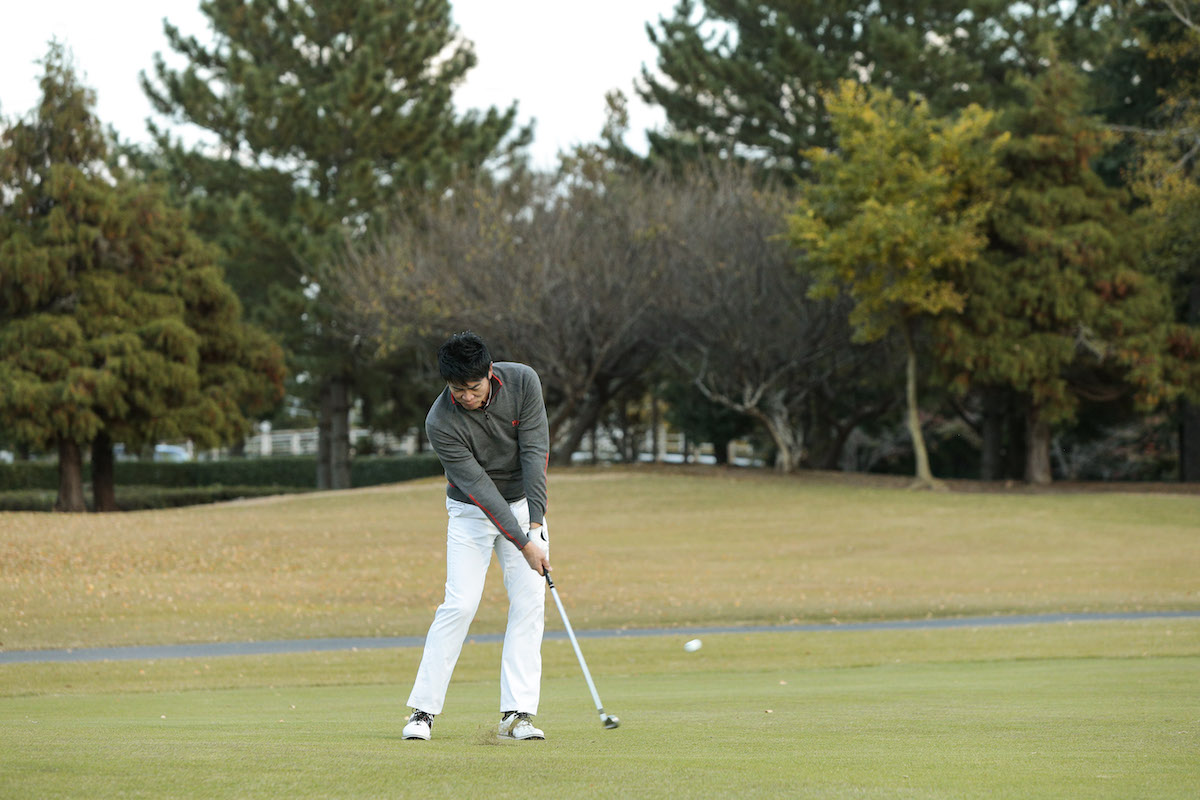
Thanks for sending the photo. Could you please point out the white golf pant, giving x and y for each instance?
(470, 540)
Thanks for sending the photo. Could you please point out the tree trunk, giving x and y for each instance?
(324, 440)
(655, 433)
(339, 434)
(828, 453)
(104, 493)
(70, 478)
(1189, 442)
(560, 453)
(831, 457)
(920, 454)
(822, 432)
(721, 449)
(1189, 423)
(628, 445)
(773, 413)
(1037, 448)
(991, 467)
(567, 438)
(1016, 415)
(333, 435)
(789, 444)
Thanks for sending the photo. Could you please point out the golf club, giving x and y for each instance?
(607, 720)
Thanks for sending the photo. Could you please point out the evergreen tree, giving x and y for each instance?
(241, 208)
(238, 369)
(101, 338)
(745, 79)
(1058, 310)
(893, 216)
(1126, 89)
(56, 203)
(326, 112)
(1167, 182)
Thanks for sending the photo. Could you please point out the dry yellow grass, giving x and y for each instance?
(631, 548)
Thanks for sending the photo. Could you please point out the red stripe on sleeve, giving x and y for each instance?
(495, 521)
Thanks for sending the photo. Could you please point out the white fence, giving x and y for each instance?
(669, 446)
(303, 442)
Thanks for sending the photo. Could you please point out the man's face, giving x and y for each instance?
(472, 394)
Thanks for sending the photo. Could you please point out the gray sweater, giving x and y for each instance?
(498, 453)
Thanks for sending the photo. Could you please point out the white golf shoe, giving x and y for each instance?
(516, 725)
(420, 726)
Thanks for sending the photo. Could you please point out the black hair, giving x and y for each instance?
(463, 359)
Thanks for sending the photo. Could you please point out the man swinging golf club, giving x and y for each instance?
(488, 428)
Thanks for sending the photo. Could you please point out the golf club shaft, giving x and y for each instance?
(575, 644)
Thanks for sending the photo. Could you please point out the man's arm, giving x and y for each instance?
(470, 478)
(533, 442)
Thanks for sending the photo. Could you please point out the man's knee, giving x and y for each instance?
(457, 607)
(526, 604)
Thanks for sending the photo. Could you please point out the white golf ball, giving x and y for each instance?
(693, 645)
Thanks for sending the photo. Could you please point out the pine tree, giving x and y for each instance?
(745, 79)
(98, 333)
(893, 215)
(1058, 309)
(56, 203)
(327, 112)
(238, 370)
(1167, 182)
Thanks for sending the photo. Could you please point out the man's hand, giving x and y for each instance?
(537, 558)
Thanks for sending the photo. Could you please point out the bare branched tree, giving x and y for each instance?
(566, 277)
(743, 326)
(601, 278)
(590, 272)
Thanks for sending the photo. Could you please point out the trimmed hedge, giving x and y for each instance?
(294, 471)
(28, 499)
(29, 475)
(139, 498)
(299, 472)
(376, 470)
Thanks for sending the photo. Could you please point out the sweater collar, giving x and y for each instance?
(496, 384)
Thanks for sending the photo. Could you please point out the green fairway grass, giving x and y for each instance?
(1071, 710)
(1095, 710)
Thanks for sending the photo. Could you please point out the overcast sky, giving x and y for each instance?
(557, 58)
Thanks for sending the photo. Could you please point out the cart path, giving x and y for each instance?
(218, 649)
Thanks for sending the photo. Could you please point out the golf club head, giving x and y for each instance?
(610, 721)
